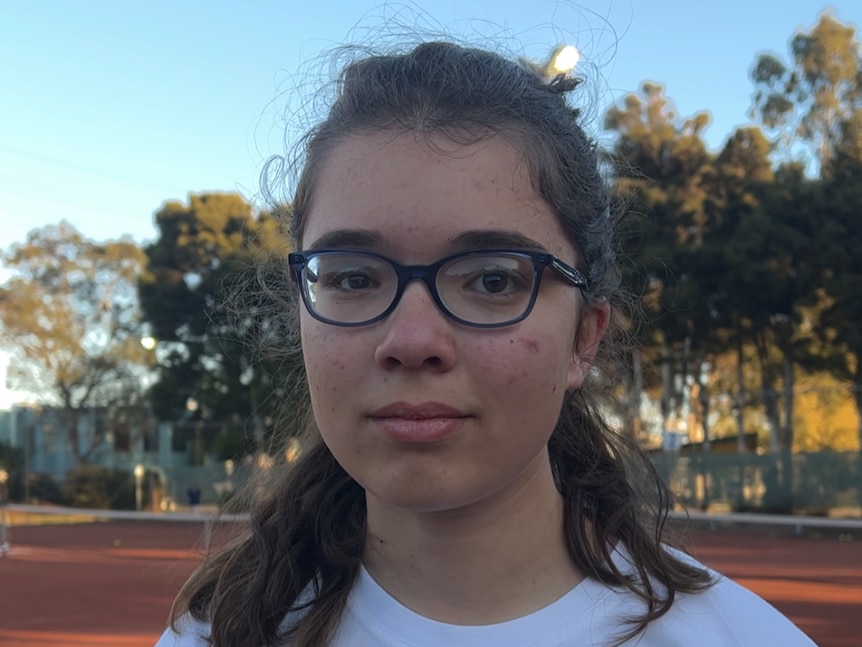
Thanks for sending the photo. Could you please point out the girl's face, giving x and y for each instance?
(427, 414)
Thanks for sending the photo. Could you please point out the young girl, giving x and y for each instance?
(459, 487)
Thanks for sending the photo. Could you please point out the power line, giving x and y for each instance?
(76, 166)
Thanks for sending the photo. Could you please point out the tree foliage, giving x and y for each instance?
(70, 318)
(817, 96)
(207, 248)
(665, 174)
(724, 258)
(739, 252)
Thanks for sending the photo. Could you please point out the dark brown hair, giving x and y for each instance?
(309, 533)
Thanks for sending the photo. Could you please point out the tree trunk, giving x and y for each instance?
(740, 393)
(666, 385)
(787, 441)
(703, 396)
(70, 426)
(770, 397)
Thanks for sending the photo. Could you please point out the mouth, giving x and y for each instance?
(423, 411)
(428, 422)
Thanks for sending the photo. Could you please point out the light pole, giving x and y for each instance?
(4, 534)
(139, 482)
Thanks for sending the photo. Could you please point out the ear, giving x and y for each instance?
(592, 329)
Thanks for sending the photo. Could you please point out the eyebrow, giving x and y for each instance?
(495, 239)
(475, 239)
(355, 238)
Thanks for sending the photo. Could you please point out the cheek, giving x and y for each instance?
(327, 364)
(528, 362)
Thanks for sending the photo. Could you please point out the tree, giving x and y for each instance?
(840, 239)
(665, 172)
(773, 280)
(827, 419)
(818, 93)
(70, 317)
(722, 255)
(206, 249)
(818, 98)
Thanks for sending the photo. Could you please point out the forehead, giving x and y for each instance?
(418, 193)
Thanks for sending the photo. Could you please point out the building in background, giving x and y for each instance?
(114, 438)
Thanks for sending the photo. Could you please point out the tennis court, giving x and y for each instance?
(95, 582)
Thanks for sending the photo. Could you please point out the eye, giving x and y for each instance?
(497, 283)
(493, 283)
(349, 280)
(490, 277)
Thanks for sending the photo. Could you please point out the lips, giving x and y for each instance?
(422, 411)
(427, 422)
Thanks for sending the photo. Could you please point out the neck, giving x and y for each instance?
(485, 563)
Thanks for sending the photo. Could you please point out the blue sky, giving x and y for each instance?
(108, 109)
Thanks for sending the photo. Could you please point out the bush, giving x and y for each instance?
(97, 487)
(11, 459)
(43, 489)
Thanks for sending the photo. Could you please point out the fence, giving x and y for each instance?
(825, 483)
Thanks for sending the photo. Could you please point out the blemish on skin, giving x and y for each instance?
(531, 344)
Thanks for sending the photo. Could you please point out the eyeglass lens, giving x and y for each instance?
(351, 287)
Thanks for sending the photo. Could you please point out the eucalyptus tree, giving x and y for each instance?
(815, 101)
(665, 175)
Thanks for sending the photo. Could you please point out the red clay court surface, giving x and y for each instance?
(111, 584)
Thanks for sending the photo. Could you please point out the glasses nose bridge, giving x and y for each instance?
(427, 274)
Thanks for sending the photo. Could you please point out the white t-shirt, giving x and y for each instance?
(590, 615)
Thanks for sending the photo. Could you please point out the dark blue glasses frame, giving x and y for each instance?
(298, 262)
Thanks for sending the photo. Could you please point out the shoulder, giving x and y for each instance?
(195, 633)
(191, 633)
(724, 614)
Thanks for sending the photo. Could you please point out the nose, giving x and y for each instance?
(417, 334)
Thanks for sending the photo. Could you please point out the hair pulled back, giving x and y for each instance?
(309, 534)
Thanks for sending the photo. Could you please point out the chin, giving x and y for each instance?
(421, 497)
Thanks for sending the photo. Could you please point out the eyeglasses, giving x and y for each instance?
(483, 289)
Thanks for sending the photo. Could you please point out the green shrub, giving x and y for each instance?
(11, 460)
(43, 489)
(97, 487)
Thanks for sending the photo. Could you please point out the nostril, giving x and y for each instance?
(391, 363)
